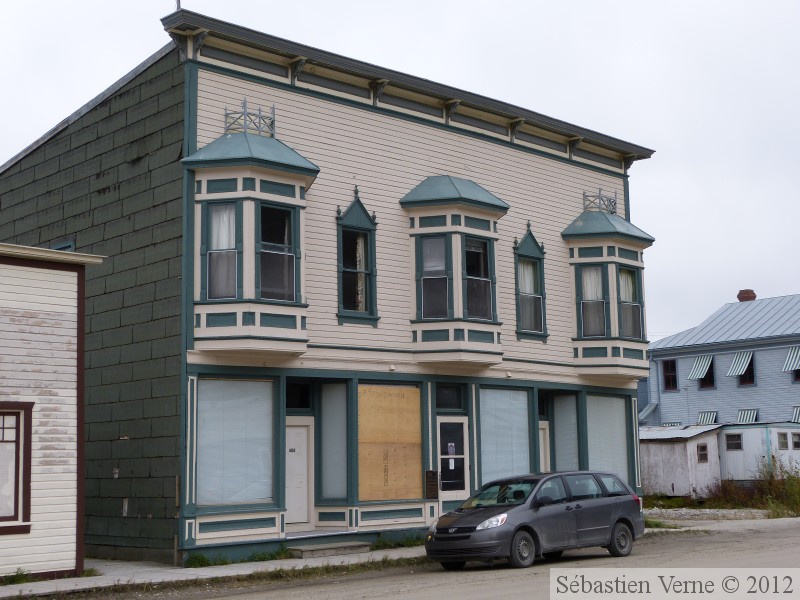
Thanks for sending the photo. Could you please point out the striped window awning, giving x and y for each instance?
(740, 363)
(792, 360)
(707, 417)
(747, 415)
(796, 414)
(700, 368)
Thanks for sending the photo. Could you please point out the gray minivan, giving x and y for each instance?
(528, 516)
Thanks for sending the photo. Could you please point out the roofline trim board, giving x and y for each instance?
(185, 22)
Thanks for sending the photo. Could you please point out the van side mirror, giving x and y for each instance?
(542, 501)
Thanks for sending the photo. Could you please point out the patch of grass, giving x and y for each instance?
(201, 560)
(656, 524)
(90, 572)
(382, 544)
(671, 502)
(776, 489)
(281, 553)
(18, 576)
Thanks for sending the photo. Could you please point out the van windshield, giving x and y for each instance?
(506, 492)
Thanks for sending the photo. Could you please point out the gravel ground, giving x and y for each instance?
(704, 514)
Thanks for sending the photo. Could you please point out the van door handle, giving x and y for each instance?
(569, 508)
(578, 507)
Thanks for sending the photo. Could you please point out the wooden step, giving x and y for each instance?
(313, 550)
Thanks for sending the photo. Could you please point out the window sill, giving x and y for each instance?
(252, 301)
(15, 529)
(454, 320)
(532, 335)
(358, 318)
(225, 509)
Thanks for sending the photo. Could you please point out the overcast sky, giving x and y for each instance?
(711, 85)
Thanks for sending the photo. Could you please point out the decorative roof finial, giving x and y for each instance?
(338, 211)
(355, 193)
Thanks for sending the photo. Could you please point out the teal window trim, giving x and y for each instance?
(639, 291)
(463, 393)
(448, 245)
(530, 249)
(204, 244)
(293, 248)
(491, 277)
(579, 301)
(357, 220)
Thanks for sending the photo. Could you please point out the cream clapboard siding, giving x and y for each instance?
(38, 363)
(386, 157)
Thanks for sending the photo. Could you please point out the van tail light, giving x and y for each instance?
(639, 502)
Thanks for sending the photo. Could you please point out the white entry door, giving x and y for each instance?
(298, 453)
(544, 447)
(454, 467)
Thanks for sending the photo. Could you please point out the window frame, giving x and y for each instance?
(709, 380)
(736, 439)
(356, 219)
(579, 300)
(702, 453)
(294, 246)
(490, 278)
(638, 290)
(529, 249)
(462, 396)
(674, 374)
(749, 372)
(795, 441)
(783, 440)
(205, 235)
(448, 274)
(796, 376)
(20, 522)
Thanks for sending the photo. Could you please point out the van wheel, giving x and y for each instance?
(523, 550)
(621, 540)
(553, 555)
(453, 565)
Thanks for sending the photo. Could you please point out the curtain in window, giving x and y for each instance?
(627, 285)
(222, 251)
(607, 435)
(434, 278)
(234, 442)
(593, 306)
(530, 299)
(505, 439)
(565, 432)
(361, 265)
(333, 408)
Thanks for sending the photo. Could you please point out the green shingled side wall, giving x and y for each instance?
(113, 181)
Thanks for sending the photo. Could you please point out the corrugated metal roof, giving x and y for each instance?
(740, 321)
(700, 368)
(792, 360)
(674, 433)
(740, 362)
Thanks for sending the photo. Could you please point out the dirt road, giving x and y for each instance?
(767, 543)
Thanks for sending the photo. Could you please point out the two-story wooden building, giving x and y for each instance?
(340, 297)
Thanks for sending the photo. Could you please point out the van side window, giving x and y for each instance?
(583, 487)
(613, 486)
(554, 489)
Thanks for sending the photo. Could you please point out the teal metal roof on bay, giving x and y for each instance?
(247, 149)
(442, 190)
(599, 223)
(767, 318)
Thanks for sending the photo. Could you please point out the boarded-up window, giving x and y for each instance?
(389, 443)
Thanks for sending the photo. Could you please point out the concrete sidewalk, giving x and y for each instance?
(117, 572)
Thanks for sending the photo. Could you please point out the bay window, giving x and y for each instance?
(630, 304)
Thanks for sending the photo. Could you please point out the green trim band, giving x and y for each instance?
(209, 527)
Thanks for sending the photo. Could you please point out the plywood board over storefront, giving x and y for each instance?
(389, 443)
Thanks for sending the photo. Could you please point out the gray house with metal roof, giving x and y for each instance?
(338, 298)
(740, 368)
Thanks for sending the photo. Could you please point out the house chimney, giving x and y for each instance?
(746, 296)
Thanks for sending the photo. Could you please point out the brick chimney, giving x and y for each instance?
(746, 296)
